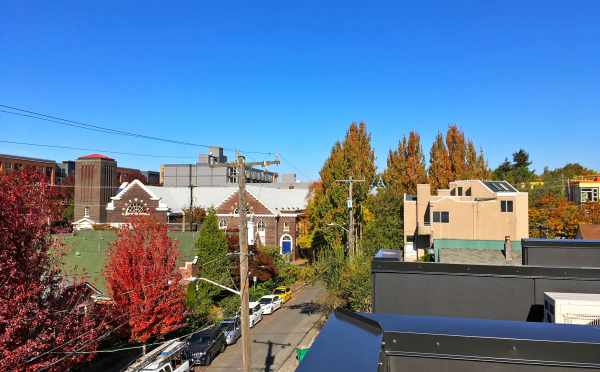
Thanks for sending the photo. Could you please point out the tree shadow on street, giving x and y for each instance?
(308, 308)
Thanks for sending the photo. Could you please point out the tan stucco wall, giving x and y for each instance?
(469, 218)
(410, 218)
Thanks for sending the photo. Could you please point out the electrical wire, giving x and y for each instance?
(140, 346)
(97, 150)
(97, 128)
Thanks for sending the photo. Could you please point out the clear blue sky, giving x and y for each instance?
(290, 76)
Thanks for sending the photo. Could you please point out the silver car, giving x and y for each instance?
(231, 329)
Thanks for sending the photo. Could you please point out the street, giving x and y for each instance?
(276, 336)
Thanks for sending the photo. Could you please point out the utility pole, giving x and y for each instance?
(191, 196)
(351, 244)
(241, 165)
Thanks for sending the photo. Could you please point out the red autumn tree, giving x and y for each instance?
(143, 279)
(41, 313)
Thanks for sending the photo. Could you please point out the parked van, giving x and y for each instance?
(168, 357)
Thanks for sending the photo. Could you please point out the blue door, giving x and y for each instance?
(286, 245)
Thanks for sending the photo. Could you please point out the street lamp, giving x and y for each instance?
(340, 226)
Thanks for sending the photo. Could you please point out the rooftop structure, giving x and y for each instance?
(448, 317)
(206, 173)
(584, 189)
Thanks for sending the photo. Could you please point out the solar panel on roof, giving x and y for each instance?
(500, 186)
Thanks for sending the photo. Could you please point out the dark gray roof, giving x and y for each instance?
(370, 342)
(478, 256)
(500, 186)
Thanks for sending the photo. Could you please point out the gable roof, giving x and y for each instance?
(176, 199)
(588, 231)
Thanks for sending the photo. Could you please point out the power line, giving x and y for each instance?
(97, 150)
(137, 347)
(97, 128)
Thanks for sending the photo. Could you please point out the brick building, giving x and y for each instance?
(274, 212)
(95, 182)
(10, 163)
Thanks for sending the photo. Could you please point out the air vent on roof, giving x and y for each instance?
(572, 308)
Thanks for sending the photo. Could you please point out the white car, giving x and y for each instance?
(256, 313)
(270, 303)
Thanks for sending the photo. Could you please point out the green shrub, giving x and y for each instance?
(230, 305)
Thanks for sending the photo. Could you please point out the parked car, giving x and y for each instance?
(256, 313)
(168, 357)
(270, 303)
(204, 346)
(232, 329)
(285, 293)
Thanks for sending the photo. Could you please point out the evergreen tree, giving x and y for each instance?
(521, 159)
(518, 171)
(212, 252)
(455, 141)
(440, 172)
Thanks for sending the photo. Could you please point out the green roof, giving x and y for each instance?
(85, 253)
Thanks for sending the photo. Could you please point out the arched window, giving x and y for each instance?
(261, 226)
(136, 208)
(286, 227)
(223, 224)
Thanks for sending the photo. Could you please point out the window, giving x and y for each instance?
(441, 217)
(589, 194)
(460, 190)
(222, 224)
(506, 206)
(135, 208)
(86, 212)
(286, 227)
(261, 226)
